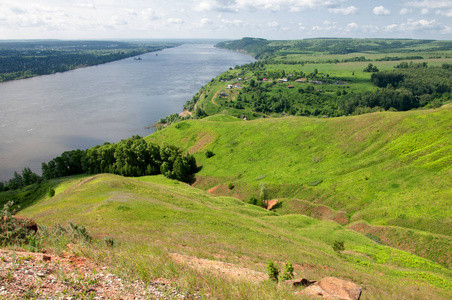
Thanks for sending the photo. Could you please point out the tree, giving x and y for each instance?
(371, 68)
(288, 272)
(272, 271)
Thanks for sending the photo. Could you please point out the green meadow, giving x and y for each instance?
(152, 219)
(390, 169)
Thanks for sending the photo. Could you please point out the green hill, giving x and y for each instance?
(380, 182)
(157, 224)
(386, 169)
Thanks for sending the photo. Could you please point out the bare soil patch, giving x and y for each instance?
(220, 268)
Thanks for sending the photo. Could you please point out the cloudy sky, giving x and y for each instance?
(225, 19)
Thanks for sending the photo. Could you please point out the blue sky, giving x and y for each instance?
(225, 19)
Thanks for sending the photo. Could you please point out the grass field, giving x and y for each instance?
(153, 220)
(391, 169)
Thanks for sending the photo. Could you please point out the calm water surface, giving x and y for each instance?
(44, 116)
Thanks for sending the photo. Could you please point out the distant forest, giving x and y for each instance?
(264, 49)
(26, 59)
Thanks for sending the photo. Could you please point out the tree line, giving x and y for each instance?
(130, 157)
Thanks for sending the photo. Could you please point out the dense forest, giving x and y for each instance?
(27, 59)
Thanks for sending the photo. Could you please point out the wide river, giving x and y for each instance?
(42, 117)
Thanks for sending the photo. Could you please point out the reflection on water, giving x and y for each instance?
(44, 116)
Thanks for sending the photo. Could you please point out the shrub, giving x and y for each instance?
(230, 185)
(338, 246)
(209, 153)
(12, 230)
(263, 191)
(50, 192)
(109, 241)
(273, 271)
(252, 200)
(288, 272)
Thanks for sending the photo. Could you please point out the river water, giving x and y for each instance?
(42, 117)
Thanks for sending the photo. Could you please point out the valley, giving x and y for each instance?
(338, 166)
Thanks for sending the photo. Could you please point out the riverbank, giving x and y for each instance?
(31, 59)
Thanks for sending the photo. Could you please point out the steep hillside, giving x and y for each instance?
(220, 245)
(392, 169)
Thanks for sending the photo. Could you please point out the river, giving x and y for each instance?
(42, 117)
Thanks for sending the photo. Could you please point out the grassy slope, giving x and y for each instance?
(384, 168)
(151, 217)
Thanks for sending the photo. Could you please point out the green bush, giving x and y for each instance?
(288, 272)
(252, 200)
(338, 246)
(272, 271)
(50, 192)
(209, 153)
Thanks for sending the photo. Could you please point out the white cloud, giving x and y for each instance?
(416, 26)
(119, 21)
(273, 24)
(446, 13)
(370, 28)
(392, 27)
(405, 11)
(430, 4)
(234, 23)
(176, 21)
(446, 30)
(88, 5)
(327, 26)
(206, 22)
(214, 5)
(266, 5)
(351, 26)
(351, 10)
(424, 11)
(150, 15)
(381, 11)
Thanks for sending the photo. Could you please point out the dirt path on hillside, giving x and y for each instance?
(214, 96)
